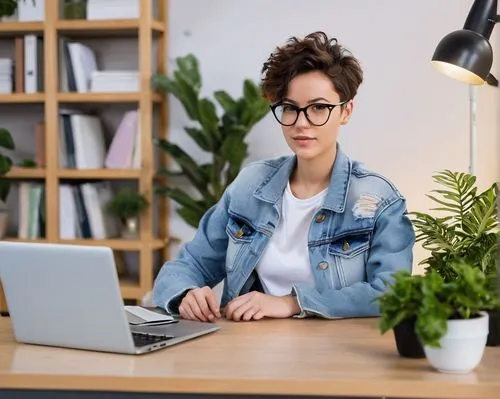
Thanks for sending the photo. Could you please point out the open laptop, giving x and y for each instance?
(69, 296)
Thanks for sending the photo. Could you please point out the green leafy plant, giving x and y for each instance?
(222, 136)
(7, 143)
(75, 9)
(467, 228)
(433, 300)
(27, 163)
(127, 203)
(9, 7)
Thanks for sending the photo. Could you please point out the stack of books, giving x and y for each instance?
(5, 75)
(114, 81)
(113, 9)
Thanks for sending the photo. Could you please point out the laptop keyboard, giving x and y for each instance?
(141, 339)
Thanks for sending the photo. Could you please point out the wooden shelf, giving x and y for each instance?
(14, 28)
(25, 173)
(102, 97)
(115, 244)
(105, 174)
(114, 27)
(21, 98)
(151, 43)
(130, 289)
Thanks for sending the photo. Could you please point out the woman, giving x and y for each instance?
(314, 234)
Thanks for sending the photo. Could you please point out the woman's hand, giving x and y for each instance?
(200, 304)
(255, 306)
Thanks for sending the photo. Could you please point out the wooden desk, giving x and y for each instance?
(271, 357)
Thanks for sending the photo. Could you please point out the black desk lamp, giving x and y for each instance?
(466, 54)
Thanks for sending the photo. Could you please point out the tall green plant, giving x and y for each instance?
(222, 136)
(7, 143)
(467, 228)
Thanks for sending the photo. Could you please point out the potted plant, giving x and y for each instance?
(466, 228)
(222, 136)
(7, 143)
(399, 307)
(450, 316)
(127, 205)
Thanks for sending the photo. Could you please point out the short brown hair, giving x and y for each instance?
(315, 52)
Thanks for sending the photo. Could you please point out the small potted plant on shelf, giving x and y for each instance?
(7, 143)
(450, 317)
(466, 228)
(127, 205)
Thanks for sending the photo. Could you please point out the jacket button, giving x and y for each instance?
(239, 234)
(323, 265)
(346, 246)
(320, 218)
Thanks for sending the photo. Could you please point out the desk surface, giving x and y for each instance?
(284, 357)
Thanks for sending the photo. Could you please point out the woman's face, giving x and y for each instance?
(316, 136)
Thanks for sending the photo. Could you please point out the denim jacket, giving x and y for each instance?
(357, 240)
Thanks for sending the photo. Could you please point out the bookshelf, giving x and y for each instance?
(144, 29)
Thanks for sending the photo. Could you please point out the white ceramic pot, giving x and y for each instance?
(462, 346)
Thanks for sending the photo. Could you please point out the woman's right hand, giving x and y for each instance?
(200, 304)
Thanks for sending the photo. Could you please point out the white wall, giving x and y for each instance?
(409, 121)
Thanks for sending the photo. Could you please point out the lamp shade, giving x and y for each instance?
(464, 55)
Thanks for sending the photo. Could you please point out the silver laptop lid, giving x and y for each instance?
(64, 295)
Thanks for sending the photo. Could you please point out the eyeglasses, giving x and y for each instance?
(316, 113)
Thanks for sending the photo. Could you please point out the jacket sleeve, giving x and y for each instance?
(391, 250)
(200, 262)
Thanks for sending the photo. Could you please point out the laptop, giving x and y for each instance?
(69, 296)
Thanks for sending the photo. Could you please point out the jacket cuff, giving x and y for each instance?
(171, 304)
(303, 313)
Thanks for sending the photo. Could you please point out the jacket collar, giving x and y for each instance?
(275, 183)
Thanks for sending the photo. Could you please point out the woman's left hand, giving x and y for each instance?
(256, 305)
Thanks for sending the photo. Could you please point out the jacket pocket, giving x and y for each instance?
(241, 235)
(351, 253)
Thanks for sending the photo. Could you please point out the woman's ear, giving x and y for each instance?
(346, 112)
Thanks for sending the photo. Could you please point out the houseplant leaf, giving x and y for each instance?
(250, 91)
(188, 68)
(208, 118)
(225, 100)
(187, 164)
(6, 140)
(4, 189)
(200, 137)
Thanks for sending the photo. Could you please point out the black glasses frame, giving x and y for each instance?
(304, 109)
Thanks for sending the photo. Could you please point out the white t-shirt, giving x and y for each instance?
(285, 261)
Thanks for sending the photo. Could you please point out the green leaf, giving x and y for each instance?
(189, 167)
(188, 97)
(251, 91)
(209, 119)
(183, 199)
(6, 139)
(234, 151)
(5, 164)
(189, 70)
(200, 137)
(170, 173)
(225, 100)
(4, 189)
(190, 216)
